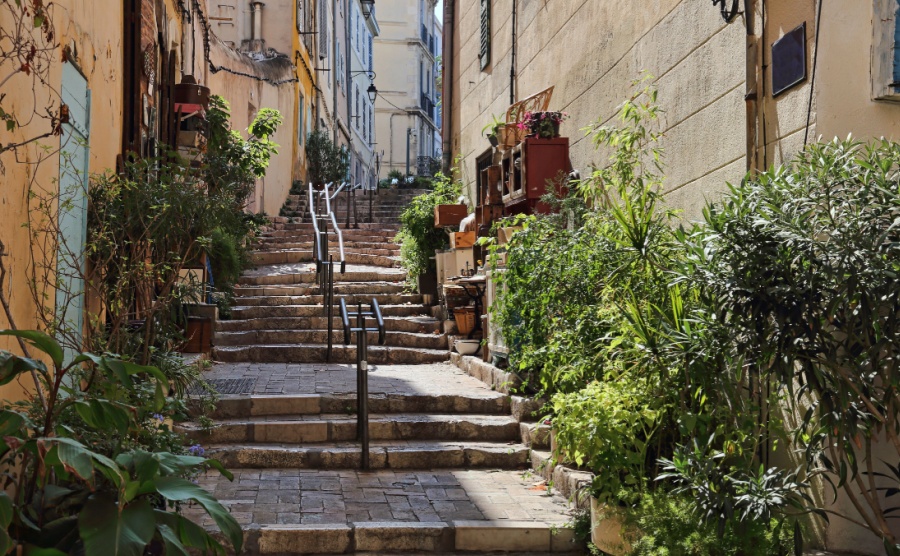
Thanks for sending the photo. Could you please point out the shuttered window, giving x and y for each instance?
(323, 29)
(484, 53)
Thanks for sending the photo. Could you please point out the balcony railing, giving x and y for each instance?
(427, 106)
(427, 166)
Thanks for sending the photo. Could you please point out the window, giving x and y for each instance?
(323, 30)
(370, 53)
(356, 104)
(886, 51)
(365, 120)
(484, 54)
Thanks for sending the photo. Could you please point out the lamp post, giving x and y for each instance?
(368, 7)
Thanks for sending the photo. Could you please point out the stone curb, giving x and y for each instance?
(419, 537)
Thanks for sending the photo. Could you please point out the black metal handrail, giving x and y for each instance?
(324, 261)
(362, 367)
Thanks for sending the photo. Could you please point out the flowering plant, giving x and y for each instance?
(543, 124)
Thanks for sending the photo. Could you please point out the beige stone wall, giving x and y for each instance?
(592, 52)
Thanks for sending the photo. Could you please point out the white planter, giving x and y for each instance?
(607, 527)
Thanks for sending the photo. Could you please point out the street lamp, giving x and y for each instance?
(368, 6)
(372, 92)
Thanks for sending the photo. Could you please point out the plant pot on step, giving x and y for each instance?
(608, 529)
(465, 319)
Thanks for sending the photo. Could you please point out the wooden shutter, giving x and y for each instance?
(323, 29)
(73, 183)
(485, 53)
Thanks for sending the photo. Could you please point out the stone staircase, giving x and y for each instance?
(449, 454)
(278, 314)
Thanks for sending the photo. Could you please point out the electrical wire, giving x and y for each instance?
(812, 82)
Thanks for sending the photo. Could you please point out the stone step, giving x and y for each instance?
(315, 353)
(307, 247)
(393, 339)
(290, 256)
(349, 246)
(349, 299)
(422, 325)
(307, 429)
(307, 276)
(382, 455)
(266, 311)
(345, 288)
(301, 230)
(487, 403)
(476, 538)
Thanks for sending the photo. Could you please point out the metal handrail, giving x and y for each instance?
(324, 261)
(362, 367)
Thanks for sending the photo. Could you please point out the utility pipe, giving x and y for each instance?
(447, 77)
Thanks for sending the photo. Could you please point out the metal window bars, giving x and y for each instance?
(324, 261)
(362, 367)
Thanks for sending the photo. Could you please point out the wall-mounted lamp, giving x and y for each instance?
(372, 92)
(728, 14)
(368, 6)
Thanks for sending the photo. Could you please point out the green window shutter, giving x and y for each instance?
(485, 53)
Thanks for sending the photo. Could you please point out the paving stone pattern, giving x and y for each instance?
(291, 496)
(340, 379)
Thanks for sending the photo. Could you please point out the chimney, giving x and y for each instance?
(257, 43)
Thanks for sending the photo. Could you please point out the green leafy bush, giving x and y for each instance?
(326, 161)
(76, 482)
(666, 525)
(418, 238)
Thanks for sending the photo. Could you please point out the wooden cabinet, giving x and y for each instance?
(530, 169)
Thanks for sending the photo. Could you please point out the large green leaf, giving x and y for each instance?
(11, 366)
(103, 414)
(178, 489)
(41, 341)
(173, 544)
(37, 551)
(188, 533)
(77, 458)
(107, 530)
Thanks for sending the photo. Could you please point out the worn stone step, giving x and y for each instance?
(422, 325)
(343, 288)
(288, 310)
(307, 244)
(288, 256)
(297, 249)
(298, 231)
(484, 403)
(306, 276)
(315, 353)
(349, 299)
(306, 429)
(382, 455)
(320, 337)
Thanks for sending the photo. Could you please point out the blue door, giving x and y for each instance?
(73, 183)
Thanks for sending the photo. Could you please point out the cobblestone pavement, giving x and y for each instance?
(334, 379)
(292, 496)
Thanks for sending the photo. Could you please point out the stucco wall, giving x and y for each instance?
(592, 52)
(93, 33)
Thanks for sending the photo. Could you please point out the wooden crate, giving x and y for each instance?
(459, 240)
(449, 215)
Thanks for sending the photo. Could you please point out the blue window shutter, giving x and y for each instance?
(73, 183)
(896, 45)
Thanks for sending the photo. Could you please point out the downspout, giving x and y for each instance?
(447, 93)
(751, 96)
(512, 65)
(334, 64)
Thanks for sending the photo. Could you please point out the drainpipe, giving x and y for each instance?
(751, 96)
(512, 65)
(447, 95)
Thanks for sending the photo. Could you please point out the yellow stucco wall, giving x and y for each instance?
(92, 31)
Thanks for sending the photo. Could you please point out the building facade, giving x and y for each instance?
(360, 76)
(742, 86)
(406, 60)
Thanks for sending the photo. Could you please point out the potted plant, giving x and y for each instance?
(543, 125)
(492, 130)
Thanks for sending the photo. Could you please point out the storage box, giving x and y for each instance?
(458, 240)
(449, 215)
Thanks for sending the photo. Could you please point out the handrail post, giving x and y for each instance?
(363, 393)
(329, 311)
